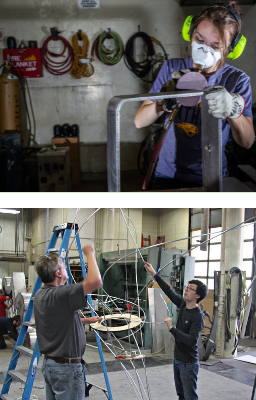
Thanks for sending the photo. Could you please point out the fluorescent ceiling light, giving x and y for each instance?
(8, 211)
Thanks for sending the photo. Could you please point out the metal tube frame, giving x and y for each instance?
(211, 139)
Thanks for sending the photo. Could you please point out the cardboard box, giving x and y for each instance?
(54, 170)
(73, 144)
(27, 61)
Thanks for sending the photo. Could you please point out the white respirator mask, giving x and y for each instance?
(204, 55)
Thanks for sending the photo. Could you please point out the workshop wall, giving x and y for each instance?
(12, 227)
(43, 227)
(247, 60)
(112, 232)
(59, 100)
(8, 232)
(150, 224)
(106, 229)
(174, 224)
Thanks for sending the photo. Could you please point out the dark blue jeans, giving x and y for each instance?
(185, 376)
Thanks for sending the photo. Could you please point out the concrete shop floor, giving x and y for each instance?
(225, 379)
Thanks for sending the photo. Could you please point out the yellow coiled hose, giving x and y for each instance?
(80, 70)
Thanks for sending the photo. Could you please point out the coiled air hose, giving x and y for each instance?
(142, 68)
(108, 56)
(79, 69)
(57, 67)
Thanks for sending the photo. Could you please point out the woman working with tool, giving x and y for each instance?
(214, 35)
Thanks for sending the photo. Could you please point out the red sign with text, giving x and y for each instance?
(27, 61)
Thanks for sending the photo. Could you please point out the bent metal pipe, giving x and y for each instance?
(211, 139)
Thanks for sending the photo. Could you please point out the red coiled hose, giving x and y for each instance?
(57, 67)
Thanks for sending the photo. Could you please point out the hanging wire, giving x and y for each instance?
(168, 311)
(139, 391)
(82, 226)
(207, 240)
(174, 241)
(135, 241)
(72, 228)
(17, 235)
(47, 228)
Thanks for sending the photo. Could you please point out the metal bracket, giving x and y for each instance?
(54, 33)
(79, 34)
(108, 35)
(211, 139)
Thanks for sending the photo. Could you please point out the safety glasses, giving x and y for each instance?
(189, 288)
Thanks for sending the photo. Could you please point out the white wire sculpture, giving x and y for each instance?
(133, 324)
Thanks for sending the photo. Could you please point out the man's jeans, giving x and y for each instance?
(63, 381)
(185, 376)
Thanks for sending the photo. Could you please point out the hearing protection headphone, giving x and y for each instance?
(238, 44)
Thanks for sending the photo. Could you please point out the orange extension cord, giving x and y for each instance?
(81, 70)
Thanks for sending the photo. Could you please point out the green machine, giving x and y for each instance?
(127, 278)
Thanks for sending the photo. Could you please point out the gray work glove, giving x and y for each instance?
(170, 86)
(223, 104)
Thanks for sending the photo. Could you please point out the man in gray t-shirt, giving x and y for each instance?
(60, 332)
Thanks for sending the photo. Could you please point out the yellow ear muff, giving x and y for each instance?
(239, 48)
(186, 28)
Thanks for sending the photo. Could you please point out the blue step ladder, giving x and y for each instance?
(65, 230)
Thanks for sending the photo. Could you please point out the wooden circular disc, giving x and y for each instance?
(191, 81)
(133, 322)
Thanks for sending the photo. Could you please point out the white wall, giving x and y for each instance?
(7, 240)
(246, 61)
(150, 224)
(174, 224)
(112, 229)
(8, 232)
(58, 100)
(59, 216)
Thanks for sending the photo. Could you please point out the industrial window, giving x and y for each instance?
(206, 262)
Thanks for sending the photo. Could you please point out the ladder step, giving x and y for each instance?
(6, 397)
(29, 323)
(25, 350)
(17, 375)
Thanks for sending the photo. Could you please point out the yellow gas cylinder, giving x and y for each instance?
(10, 115)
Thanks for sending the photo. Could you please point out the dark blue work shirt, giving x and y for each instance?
(6, 325)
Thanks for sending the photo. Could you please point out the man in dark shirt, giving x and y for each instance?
(189, 326)
(60, 332)
(8, 326)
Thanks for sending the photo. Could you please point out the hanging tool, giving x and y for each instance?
(81, 66)
(159, 145)
(48, 56)
(107, 55)
(142, 68)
